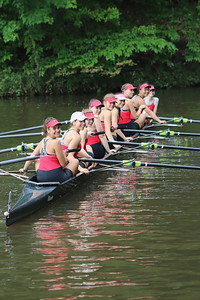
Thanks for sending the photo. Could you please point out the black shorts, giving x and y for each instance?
(134, 125)
(56, 175)
(130, 125)
(98, 150)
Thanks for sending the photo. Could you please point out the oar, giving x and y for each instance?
(21, 135)
(132, 163)
(17, 160)
(179, 120)
(98, 133)
(162, 132)
(22, 159)
(152, 146)
(22, 147)
(29, 128)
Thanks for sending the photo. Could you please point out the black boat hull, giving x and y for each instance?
(35, 196)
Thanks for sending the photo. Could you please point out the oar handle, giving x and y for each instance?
(98, 133)
(73, 150)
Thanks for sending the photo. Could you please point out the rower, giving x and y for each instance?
(129, 117)
(106, 118)
(143, 91)
(151, 101)
(117, 117)
(72, 140)
(89, 140)
(53, 165)
(95, 106)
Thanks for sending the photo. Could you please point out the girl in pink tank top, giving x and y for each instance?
(53, 165)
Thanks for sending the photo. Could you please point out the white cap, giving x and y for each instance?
(120, 96)
(77, 115)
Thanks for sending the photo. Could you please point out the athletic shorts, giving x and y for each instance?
(56, 175)
(130, 125)
(98, 150)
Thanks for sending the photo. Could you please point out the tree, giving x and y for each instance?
(59, 45)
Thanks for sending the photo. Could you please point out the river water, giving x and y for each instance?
(121, 234)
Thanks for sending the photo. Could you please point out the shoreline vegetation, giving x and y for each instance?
(64, 47)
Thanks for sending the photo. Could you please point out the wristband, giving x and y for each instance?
(25, 170)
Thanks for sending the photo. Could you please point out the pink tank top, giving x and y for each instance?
(91, 140)
(151, 107)
(125, 116)
(48, 162)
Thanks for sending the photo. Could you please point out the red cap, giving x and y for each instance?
(110, 99)
(53, 123)
(130, 87)
(144, 86)
(96, 103)
(89, 115)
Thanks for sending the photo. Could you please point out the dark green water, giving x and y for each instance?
(121, 235)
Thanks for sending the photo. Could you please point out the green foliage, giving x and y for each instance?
(56, 46)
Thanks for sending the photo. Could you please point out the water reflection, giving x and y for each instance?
(80, 247)
(131, 235)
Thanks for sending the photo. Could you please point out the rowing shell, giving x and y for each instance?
(35, 195)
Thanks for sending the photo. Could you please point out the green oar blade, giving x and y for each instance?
(22, 148)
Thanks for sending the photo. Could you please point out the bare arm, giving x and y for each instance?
(59, 153)
(73, 144)
(107, 123)
(132, 109)
(150, 112)
(34, 153)
(83, 134)
(156, 100)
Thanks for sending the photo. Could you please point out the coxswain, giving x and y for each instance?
(53, 164)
